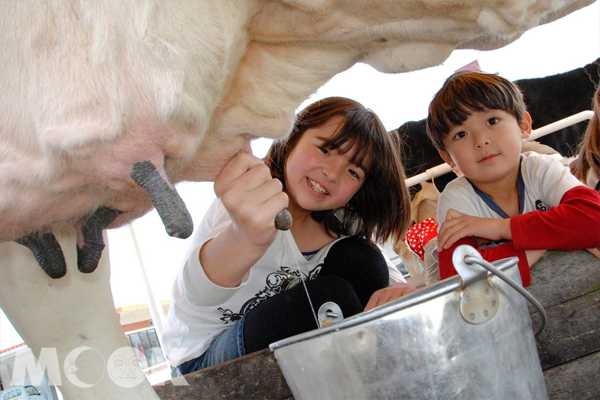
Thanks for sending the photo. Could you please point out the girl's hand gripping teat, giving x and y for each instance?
(252, 197)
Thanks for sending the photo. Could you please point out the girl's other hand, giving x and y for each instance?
(595, 252)
(252, 197)
(392, 292)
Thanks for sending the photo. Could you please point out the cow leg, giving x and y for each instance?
(47, 252)
(73, 318)
(91, 245)
(169, 205)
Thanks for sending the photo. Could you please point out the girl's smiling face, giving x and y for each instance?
(318, 178)
(487, 146)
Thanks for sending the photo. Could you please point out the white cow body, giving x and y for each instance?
(96, 86)
(91, 87)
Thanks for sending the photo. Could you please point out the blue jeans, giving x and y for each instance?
(226, 346)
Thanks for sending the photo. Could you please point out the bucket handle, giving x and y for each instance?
(469, 256)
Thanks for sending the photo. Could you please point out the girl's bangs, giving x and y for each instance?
(357, 133)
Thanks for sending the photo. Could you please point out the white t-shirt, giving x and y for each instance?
(545, 181)
(200, 310)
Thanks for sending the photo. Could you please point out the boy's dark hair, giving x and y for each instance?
(466, 92)
(380, 209)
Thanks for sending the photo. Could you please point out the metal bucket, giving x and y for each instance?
(468, 337)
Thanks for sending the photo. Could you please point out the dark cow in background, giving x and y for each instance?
(559, 96)
(419, 154)
(548, 99)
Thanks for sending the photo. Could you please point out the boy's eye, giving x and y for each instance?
(492, 121)
(460, 135)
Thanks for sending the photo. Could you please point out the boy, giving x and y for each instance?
(506, 204)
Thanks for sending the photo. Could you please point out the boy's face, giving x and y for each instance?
(487, 146)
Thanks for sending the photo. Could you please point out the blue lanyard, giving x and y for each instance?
(491, 204)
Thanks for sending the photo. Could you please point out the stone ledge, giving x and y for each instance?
(254, 376)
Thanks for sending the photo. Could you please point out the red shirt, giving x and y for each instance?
(573, 225)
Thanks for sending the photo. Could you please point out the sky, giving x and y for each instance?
(560, 46)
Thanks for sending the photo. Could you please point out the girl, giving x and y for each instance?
(247, 285)
(586, 167)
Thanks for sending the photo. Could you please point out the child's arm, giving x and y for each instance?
(490, 254)
(572, 225)
(252, 198)
(458, 225)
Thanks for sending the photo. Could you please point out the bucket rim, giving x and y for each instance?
(420, 296)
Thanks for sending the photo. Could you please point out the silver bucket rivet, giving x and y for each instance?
(329, 313)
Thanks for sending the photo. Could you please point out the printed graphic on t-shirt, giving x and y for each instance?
(276, 282)
(539, 205)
